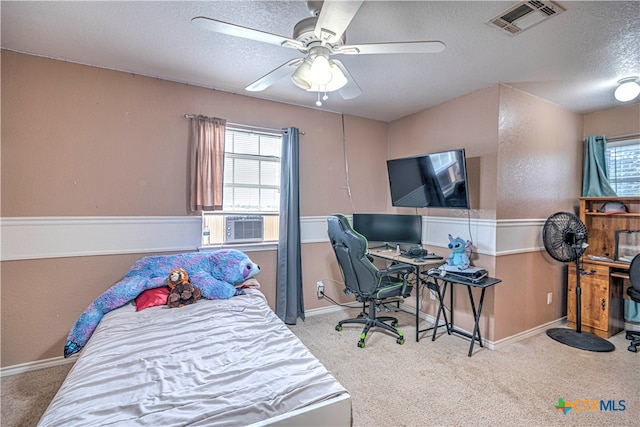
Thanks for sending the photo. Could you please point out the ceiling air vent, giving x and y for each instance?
(524, 15)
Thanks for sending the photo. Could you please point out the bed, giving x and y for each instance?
(212, 363)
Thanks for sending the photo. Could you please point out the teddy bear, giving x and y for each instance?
(182, 291)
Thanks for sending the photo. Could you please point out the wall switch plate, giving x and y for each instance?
(549, 298)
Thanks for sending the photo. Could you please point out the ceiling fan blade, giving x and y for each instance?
(222, 27)
(392, 47)
(335, 16)
(351, 89)
(282, 71)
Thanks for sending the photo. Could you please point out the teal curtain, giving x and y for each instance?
(596, 176)
(289, 296)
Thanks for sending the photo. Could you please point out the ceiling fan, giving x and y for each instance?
(319, 37)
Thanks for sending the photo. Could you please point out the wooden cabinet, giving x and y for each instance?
(601, 300)
(602, 311)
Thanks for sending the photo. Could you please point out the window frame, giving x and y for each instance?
(613, 168)
(260, 158)
(213, 221)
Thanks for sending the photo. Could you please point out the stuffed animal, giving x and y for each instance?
(458, 256)
(215, 273)
(182, 291)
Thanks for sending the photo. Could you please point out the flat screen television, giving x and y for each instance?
(437, 180)
(389, 228)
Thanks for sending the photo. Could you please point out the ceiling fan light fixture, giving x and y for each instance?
(320, 71)
(338, 79)
(628, 89)
(300, 77)
(337, 82)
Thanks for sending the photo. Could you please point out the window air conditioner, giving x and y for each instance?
(244, 229)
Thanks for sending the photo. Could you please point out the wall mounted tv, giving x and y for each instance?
(437, 180)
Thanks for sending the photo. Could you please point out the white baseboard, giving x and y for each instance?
(34, 366)
(529, 333)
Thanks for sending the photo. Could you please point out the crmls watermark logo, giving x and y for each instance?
(584, 405)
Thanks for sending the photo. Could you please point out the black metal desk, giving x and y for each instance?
(483, 284)
(392, 255)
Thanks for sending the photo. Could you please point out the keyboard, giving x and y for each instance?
(427, 257)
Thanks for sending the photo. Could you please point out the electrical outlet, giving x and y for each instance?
(549, 298)
(320, 289)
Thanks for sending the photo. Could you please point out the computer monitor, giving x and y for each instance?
(389, 228)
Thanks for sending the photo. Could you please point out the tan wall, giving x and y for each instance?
(623, 120)
(539, 156)
(82, 141)
(539, 164)
(468, 122)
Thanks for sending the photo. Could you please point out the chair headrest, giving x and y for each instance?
(340, 231)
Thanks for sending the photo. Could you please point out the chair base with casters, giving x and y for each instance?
(634, 336)
(369, 319)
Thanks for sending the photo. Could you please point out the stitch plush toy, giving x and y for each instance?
(216, 273)
(458, 256)
(182, 291)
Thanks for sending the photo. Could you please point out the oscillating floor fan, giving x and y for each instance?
(565, 239)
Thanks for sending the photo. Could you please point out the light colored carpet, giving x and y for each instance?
(26, 396)
(435, 383)
(430, 383)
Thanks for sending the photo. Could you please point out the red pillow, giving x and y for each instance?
(152, 297)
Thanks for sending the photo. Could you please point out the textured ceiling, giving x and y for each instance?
(573, 59)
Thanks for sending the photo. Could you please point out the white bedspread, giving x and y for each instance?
(222, 362)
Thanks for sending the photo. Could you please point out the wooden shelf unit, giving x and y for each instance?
(602, 282)
(601, 227)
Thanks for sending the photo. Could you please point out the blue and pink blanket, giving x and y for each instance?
(215, 273)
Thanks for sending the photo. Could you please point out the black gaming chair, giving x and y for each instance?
(634, 293)
(370, 285)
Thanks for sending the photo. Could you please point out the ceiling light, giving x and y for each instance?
(300, 77)
(320, 71)
(628, 89)
(338, 80)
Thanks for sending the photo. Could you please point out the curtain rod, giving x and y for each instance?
(240, 125)
(615, 138)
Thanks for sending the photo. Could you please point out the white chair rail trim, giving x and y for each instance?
(58, 237)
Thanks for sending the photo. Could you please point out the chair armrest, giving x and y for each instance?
(397, 268)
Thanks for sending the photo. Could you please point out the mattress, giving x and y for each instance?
(212, 363)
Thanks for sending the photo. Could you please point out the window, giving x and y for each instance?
(251, 184)
(251, 171)
(623, 163)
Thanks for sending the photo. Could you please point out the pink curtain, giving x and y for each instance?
(206, 145)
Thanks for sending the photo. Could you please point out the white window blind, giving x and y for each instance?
(251, 171)
(623, 162)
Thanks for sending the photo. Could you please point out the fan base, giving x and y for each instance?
(581, 340)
